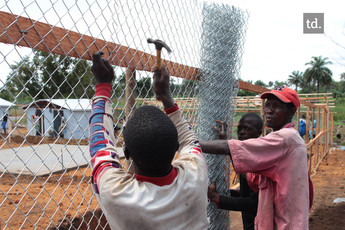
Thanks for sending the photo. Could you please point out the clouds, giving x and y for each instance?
(276, 46)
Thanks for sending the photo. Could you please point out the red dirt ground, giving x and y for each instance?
(61, 195)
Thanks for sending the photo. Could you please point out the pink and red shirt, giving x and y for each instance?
(277, 166)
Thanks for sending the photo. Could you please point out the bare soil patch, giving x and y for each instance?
(67, 198)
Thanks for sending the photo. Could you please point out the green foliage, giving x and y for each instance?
(260, 83)
(23, 81)
(48, 76)
(318, 74)
(296, 78)
(339, 110)
(279, 83)
(144, 87)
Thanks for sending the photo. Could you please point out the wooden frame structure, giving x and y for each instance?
(22, 31)
(315, 106)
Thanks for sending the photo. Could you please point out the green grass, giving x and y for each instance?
(339, 110)
(338, 117)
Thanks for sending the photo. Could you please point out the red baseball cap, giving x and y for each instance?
(285, 94)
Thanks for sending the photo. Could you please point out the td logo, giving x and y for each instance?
(313, 23)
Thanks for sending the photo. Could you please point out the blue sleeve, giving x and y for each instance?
(102, 141)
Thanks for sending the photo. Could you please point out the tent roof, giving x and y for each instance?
(4, 103)
(70, 104)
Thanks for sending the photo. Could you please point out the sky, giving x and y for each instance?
(275, 45)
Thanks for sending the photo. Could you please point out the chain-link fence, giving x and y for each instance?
(46, 87)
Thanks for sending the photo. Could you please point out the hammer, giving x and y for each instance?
(159, 45)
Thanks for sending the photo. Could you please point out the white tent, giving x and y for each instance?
(76, 112)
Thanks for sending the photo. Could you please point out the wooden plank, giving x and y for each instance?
(252, 88)
(17, 30)
(310, 94)
(21, 31)
(315, 98)
(130, 94)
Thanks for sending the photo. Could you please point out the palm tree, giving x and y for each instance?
(318, 72)
(296, 78)
(342, 76)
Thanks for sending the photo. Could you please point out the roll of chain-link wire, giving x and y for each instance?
(223, 32)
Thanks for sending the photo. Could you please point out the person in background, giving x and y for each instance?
(245, 200)
(302, 126)
(4, 122)
(160, 194)
(36, 123)
(277, 164)
(62, 125)
(312, 129)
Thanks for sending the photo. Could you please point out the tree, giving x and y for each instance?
(342, 76)
(23, 82)
(279, 83)
(318, 72)
(46, 76)
(80, 82)
(296, 78)
(120, 85)
(260, 83)
(189, 88)
(63, 76)
(144, 87)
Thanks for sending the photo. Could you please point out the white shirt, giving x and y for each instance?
(131, 204)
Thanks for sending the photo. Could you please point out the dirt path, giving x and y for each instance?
(329, 184)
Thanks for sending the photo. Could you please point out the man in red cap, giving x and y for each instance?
(276, 164)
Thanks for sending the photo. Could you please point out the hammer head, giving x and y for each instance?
(159, 44)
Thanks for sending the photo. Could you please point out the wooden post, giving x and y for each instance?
(323, 129)
(130, 92)
(9, 129)
(313, 118)
(331, 115)
(311, 147)
(130, 102)
(248, 105)
(306, 138)
(318, 131)
(327, 128)
(42, 123)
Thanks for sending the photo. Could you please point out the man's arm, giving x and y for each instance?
(247, 204)
(186, 135)
(217, 147)
(102, 140)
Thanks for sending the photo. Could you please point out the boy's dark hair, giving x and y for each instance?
(256, 118)
(151, 138)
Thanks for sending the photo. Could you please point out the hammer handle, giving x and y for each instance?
(159, 60)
